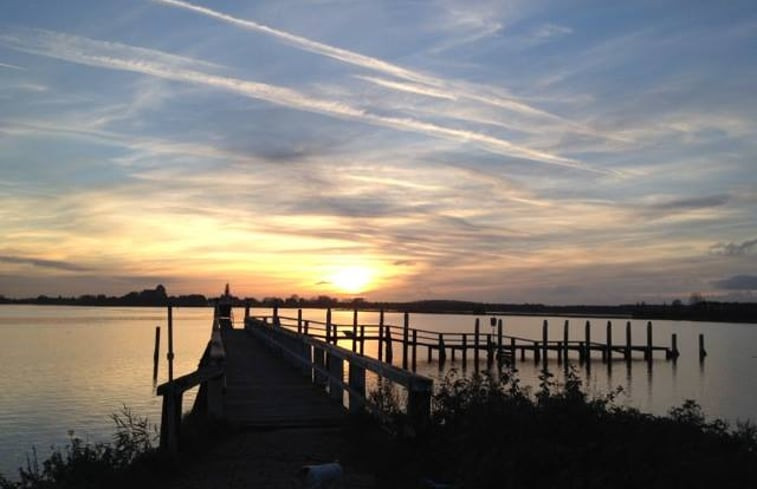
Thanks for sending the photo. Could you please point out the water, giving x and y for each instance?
(69, 368)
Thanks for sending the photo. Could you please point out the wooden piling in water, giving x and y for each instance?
(405, 339)
(545, 339)
(465, 351)
(537, 352)
(476, 342)
(648, 350)
(299, 321)
(499, 342)
(354, 330)
(674, 346)
(608, 346)
(246, 309)
(702, 351)
(429, 353)
(565, 339)
(276, 320)
(362, 339)
(489, 352)
(442, 350)
(156, 355)
(587, 333)
(328, 327)
(512, 351)
(381, 336)
(169, 356)
(415, 349)
(628, 341)
(306, 328)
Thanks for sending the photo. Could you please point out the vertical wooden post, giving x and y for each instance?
(214, 398)
(465, 351)
(499, 342)
(336, 372)
(565, 339)
(537, 352)
(354, 330)
(587, 352)
(609, 341)
(628, 340)
(276, 320)
(674, 346)
(512, 351)
(319, 362)
(169, 356)
(307, 327)
(357, 387)
(381, 335)
(489, 351)
(405, 338)
(362, 339)
(429, 353)
(702, 351)
(389, 347)
(452, 351)
(299, 321)
(419, 403)
(475, 343)
(648, 352)
(442, 350)
(246, 309)
(156, 355)
(545, 340)
(328, 327)
(415, 349)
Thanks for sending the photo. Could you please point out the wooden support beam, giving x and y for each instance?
(608, 339)
(336, 371)
(628, 341)
(512, 351)
(319, 362)
(648, 351)
(587, 332)
(156, 355)
(674, 346)
(389, 347)
(415, 349)
(299, 321)
(565, 339)
(357, 387)
(329, 333)
(702, 351)
(476, 335)
(442, 350)
(362, 339)
(489, 351)
(354, 330)
(381, 336)
(500, 352)
(169, 355)
(465, 351)
(405, 338)
(545, 340)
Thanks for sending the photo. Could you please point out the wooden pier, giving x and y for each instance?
(283, 371)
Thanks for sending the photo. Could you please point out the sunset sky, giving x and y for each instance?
(542, 151)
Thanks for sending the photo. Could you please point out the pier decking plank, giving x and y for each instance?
(263, 391)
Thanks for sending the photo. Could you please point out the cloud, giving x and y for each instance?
(38, 262)
(118, 56)
(734, 249)
(738, 282)
(11, 67)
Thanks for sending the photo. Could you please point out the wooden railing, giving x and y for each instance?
(323, 364)
(209, 376)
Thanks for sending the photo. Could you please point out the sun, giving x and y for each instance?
(352, 280)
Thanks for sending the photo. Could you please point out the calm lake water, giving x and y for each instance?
(69, 368)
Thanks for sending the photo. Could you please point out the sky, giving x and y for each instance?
(583, 152)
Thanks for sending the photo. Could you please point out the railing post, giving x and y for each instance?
(319, 362)
(246, 309)
(415, 349)
(628, 340)
(357, 387)
(648, 351)
(489, 351)
(499, 343)
(169, 356)
(389, 347)
(156, 355)
(170, 422)
(419, 403)
(354, 330)
(565, 339)
(512, 352)
(609, 341)
(587, 352)
(362, 339)
(545, 340)
(465, 351)
(299, 321)
(328, 326)
(307, 327)
(307, 356)
(476, 342)
(215, 398)
(381, 336)
(442, 350)
(336, 371)
(276, 321)
(405, 339)
(702, 351)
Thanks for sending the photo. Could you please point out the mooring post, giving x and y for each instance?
(609, 341)
(362, 339)
(428, 352)
(648, 352)
(465, 351)
(299, 321)
(537, 352)
(442, 350)
(628, 340)
(476, 335)
(246, 309)
(276, 320)
(499, 342)
(674, 346)
(587, 353)
(512, 351)
(306, 328)
(489, 351)
(565, 339)
(170, 343)
(389, 348)
(156, 355)
(354, 330)
(452, 350)
(381, 336)
(702, 351)
(405, 338)
(545, 339)
(415, 349)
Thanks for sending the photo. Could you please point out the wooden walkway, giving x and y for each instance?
(262, 391)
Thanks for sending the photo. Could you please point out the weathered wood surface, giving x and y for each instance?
(263, 391)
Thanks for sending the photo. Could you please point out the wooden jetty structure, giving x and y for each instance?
(280, 371)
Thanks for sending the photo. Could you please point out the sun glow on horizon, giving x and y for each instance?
(353, 279)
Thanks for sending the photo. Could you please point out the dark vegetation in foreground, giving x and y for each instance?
(485, 431)
(697, 308)
(491, 432)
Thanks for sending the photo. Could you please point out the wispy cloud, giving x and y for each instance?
(734, 248)
(12, 67)
(44, 263)
(163, 65)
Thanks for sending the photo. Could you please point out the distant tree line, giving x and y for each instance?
(696, 309)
